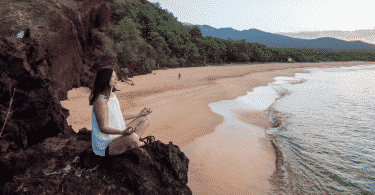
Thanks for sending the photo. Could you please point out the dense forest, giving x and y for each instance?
(142, 36)
(175, 45)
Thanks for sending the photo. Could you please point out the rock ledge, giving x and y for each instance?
(67, 165)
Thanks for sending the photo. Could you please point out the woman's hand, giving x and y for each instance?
(128, 131)
(140, 115)
(144, 112)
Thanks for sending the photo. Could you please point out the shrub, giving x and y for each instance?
(126, 72)
(181, 62)
(146, 66)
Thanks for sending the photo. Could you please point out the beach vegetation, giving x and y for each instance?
(125, 71)
(145, 64)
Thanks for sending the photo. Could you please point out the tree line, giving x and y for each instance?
(156, 34)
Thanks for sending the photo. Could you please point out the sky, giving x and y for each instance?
(286, 16)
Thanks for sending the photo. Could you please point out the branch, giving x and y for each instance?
(11, 100)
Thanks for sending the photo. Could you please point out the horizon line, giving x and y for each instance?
(296, 32)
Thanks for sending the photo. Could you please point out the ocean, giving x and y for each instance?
(327, 139)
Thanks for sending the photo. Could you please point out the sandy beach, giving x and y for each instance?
(181, 115)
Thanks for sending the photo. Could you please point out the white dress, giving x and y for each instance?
(115, 120)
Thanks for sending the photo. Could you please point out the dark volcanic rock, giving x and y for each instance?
(37, 71)
(70, 46)
(36, 74)
(35, 114)
(27, 34)
(66, 165)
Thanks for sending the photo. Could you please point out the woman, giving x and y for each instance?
(109, 133)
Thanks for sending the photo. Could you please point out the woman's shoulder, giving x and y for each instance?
(105, 97)
(99, 97)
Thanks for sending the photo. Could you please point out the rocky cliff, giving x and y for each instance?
(68, 47)
(62, 51)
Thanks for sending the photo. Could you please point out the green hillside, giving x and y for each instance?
(174, 45)
(143, 37)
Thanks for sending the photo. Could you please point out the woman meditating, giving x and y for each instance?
(109, 133)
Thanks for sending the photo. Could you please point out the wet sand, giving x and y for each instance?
(241, 160)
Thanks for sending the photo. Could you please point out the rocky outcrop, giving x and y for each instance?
(66, 164)
(38, 70)
(34, 115)
(68, 50)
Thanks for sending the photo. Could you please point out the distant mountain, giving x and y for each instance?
(365, 35)
(187, 24)
(280, 41)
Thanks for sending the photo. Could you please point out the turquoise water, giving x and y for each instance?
(328, 139)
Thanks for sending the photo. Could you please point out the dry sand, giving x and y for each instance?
(181, 114)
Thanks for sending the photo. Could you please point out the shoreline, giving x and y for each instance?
(180, 107)
(187, 77)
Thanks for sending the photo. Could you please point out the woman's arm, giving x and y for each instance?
(100, 111)
(129, 117)
(144, 112)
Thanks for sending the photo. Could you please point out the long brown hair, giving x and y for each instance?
(101, 85)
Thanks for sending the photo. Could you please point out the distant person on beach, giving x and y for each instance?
(179, 75)
(109, 133)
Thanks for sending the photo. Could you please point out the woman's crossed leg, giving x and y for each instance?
(123, 143)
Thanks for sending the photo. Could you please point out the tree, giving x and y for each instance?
(195, 33)
(146, 17)
(122, 10)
